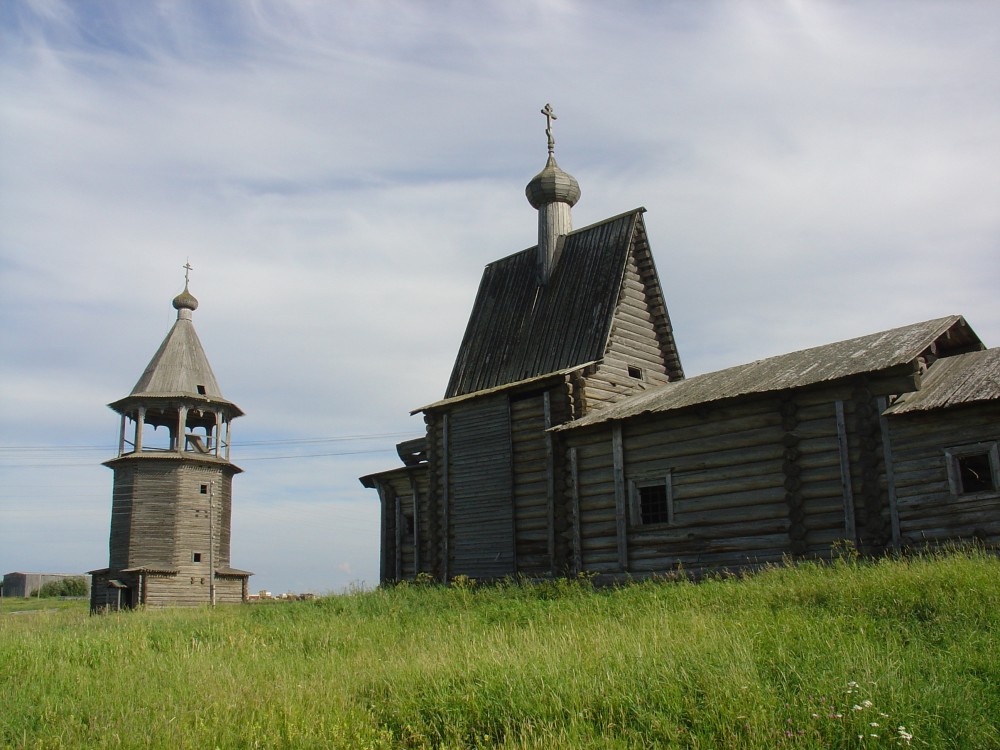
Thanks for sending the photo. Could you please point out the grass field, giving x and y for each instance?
(898, 653)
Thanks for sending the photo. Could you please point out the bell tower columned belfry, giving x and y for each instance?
(171, 507)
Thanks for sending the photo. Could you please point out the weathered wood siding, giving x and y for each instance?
(480, 508)
(633, 340)
(160, 519)
(540, 515)
(531, 481)
(187, 589)
(929, 512)
(159, 515)
(751, 481)
(407, 523)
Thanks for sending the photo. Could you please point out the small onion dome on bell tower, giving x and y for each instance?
(185, 303)
(552, 192)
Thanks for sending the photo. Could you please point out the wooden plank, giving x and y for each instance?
(890, 476)
(850, 531)
(620, 499)
(575, 511)
(550, 481)
(445, 498)
(399, 538)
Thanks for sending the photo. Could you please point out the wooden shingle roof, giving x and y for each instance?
(876, 352)
(179, 366)
(179, 369)
(520, 329)
(954, 381)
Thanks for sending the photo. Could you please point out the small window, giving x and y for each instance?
(201, 390)
(652, 501)
(635, 372)
(195, 557)
(204, 489)
(973, 469)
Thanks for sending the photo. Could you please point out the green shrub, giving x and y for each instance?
(72, 586)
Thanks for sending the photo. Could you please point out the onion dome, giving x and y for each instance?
(185, 300)
(552, 185)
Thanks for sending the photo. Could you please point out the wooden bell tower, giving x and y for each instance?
(172, 499)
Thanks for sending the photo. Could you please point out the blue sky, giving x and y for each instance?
(339, 173)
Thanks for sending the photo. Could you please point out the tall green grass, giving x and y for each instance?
(804, 656)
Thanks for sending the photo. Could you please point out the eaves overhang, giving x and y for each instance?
(527, 383)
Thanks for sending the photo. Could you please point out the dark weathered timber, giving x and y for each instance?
(520, 330)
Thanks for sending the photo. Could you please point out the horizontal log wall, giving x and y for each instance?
(752, 481)
(928, 510)
(633, 342)
(160, 516)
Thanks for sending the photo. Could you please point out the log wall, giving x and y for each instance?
(480, 512)
(633, 341)
(531, 477)
(751, 481)
(160, 516)
(929, 511)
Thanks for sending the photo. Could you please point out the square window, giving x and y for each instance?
(204, 489)
(652, 501)
(653, 505)
(975, 473)
(973, 469)
(195, 557)
(201, 390)
(635, 372)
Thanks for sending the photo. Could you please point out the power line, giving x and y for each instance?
(235, 444)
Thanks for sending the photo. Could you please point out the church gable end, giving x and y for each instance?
(640, 350)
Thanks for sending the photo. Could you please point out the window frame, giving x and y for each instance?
(954, 454)
(635, 486)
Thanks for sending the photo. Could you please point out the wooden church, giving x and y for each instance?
(569, 439)
(172, 498)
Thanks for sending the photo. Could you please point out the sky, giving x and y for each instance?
(338, 175)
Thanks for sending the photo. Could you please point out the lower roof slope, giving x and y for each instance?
(954, 381)
(865, 354)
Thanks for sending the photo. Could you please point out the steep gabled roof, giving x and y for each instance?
(954, 381)
(865, 354)
(520, 329)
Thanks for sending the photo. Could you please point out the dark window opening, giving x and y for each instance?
(654, 504)
(201, 390)
(635, 372)
(975, 473)
(407, 526)
(204, 489)
(196, 557)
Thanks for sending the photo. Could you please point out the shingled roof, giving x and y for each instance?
(865, 354)
(180, 366)
(954, 381)
(520, 329)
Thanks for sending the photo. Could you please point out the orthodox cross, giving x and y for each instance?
(549, 117)
(187, 271)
